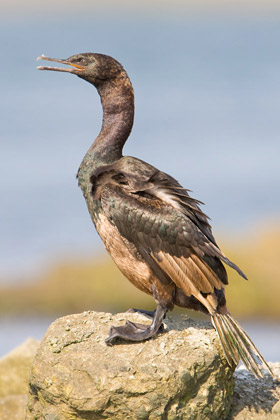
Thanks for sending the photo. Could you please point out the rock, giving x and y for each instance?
(177, 375)
(14, 375)
(256, 399)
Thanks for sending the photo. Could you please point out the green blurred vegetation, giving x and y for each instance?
(75, 286)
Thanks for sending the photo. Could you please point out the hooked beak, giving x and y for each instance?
(76, 70)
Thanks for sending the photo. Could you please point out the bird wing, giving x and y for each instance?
(140, 176)
(137, 177)
(163, 234)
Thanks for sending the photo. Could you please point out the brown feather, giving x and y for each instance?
(195, 275)
(183, 279)
(169, 265)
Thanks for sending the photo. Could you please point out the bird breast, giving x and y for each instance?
(125, 255)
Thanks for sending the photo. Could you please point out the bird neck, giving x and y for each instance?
(117, 100)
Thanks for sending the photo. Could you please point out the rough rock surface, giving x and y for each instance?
(256, 399)
(14, 375)
(177, 375)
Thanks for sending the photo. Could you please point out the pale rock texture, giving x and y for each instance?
(14, 375)
(179, 375)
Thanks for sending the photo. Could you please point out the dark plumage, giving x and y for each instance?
(155, 232)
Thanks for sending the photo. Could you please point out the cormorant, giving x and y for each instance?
(155, 232)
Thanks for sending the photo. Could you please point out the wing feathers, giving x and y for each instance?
(195, 275)
(170, 266)
(187, 276)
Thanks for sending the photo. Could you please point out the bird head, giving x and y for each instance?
(93, 67)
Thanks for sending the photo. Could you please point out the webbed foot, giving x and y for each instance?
(137, 332)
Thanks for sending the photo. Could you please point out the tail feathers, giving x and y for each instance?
(237, 344)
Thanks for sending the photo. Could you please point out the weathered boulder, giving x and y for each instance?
(14, 375)
(178, 375)
(256, 399)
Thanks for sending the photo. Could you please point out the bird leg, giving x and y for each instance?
(137, 332)
(148, 314)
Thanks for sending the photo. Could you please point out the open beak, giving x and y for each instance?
(76, 68)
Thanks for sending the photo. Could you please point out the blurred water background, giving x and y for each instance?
(207, 89)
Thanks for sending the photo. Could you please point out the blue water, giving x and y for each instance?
(207, 111)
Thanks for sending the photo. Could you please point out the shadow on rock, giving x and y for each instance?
(256, 399)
